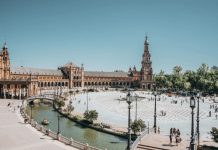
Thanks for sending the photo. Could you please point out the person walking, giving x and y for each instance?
(170, 139)
(158, 130)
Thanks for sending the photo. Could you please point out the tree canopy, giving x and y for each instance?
(204, 79)
(91, 115)
(138, 125)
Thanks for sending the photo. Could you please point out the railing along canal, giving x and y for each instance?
(136, 142)
(54, 135)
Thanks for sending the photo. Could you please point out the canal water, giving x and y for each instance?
(77, 132)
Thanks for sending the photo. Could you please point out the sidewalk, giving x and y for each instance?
(15, 135)
(163, 141)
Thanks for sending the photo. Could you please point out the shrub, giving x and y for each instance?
(214, 133)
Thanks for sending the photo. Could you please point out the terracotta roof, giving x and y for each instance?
(35, 71)
(106, 74)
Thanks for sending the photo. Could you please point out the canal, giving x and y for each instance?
(77, 132)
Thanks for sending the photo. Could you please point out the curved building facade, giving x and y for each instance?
(20, 82)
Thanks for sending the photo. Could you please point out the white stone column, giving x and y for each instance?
(12, 93)
(4, 91)
(20, 93)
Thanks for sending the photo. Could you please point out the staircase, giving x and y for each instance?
(147, 147)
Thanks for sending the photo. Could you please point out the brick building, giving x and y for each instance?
(19, 82)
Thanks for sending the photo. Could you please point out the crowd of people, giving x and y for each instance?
(176, 134)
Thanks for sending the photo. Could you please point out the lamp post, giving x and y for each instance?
(58, 124)
(58, 103)
(192, 105)
(129, 101)
(198, 132)
(31, 103)
(155, 112)
(87, 99)
(136, 107)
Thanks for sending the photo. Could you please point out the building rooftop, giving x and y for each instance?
(69, 64)
(35, 71)
(106, 74)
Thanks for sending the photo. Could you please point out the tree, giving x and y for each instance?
(59, 103)
(203, 70)
(177, 70)
(138, 125)
(214, 133)
(160, 79)
(91, 115)
(70, 108)
(204, 79)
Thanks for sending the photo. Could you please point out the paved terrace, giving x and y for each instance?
(15, 135)
(162, 142)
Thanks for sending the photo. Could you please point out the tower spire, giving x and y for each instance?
(5, 46)
(146, 39)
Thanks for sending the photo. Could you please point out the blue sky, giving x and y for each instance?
(109, 35)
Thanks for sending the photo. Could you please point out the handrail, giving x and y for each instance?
(56, 136)
(136, 142)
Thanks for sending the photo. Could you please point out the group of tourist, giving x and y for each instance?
(12, 106)
(176, 134)
(163, 113)
(213, 106)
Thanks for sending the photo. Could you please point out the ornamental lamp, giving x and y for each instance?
(192, 102)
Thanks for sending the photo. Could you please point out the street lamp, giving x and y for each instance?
(87, 99)
(129, 101)
(58, 124)
(58, 103)
(155, 112)
(136, 107)
(31, 103)
(198, 132)
(192, 105)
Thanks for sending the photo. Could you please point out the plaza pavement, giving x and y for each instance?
(114, 112)
(15, 135)
(162, 141)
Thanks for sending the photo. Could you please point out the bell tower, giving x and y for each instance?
(4, 63)
(146, 70)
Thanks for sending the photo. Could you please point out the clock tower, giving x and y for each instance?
(4, 63)
(146, 70)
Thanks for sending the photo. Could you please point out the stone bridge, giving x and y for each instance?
(50, 97)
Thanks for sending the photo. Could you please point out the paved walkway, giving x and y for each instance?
(15, 135)
(162, 141)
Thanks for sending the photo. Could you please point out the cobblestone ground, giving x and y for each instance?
(15, 135)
